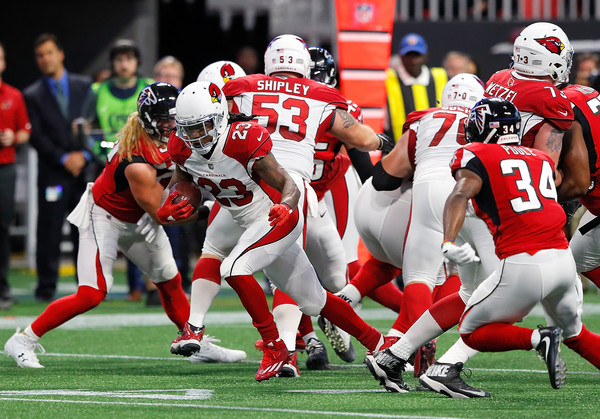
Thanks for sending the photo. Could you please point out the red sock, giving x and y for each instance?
(174, 301)
(449, 287)
(586, 344)
(65, 308)
(593, 275)
(280, 298)
(339, 312)
(209, 269)
(417, 299)
(499, 337)
(447, 311)
(373, 274)
(353, 268)
(389, 296)
(306, 325)
(254, 301)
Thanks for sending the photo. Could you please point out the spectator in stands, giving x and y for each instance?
(411, 85)
(14, 130)
(456, 62)
(170, 70)
(53, 102)
(107, 107)
(586, 68)
(247, 58)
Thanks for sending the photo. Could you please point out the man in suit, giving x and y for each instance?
(53, 102)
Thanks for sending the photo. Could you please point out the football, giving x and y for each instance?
(187, 190)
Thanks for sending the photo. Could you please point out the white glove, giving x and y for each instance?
(459, 254)
(147, 228)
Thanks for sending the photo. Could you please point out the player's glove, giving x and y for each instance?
(170, 211)
(386, 144)
(459, 254)
(279, 214)
(147, 228)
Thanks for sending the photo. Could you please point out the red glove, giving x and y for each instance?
(279, 214)
(171, 211)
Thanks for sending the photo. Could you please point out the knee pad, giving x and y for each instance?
(165, 271)
(312, 306)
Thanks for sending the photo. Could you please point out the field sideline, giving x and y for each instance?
(115, 362)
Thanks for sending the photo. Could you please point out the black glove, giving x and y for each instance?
(386, 144)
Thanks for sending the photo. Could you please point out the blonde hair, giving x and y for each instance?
(132, 138)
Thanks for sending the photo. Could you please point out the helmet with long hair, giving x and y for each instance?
(322, 66)
(201, 115)
(543, 49)
(493, 120)
(287, 53)
(156, 110)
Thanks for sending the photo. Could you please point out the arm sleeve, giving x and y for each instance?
(361, 160)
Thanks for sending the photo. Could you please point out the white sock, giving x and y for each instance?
(395, 332)
(351, 293)
(203, 294)
(29, 332)
(287, 318)
(459, 352)
(309, 336)
(535, 338)
(421, 332)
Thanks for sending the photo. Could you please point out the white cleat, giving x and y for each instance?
(22, 349)
(209, 352)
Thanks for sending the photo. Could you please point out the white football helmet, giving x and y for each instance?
(462, 90)
(221, 72)
(201, 115)
(287, 53)
(543, 49)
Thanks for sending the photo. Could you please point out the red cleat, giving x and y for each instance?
(387, 342)
(188, 341)
(300, 344)
(276, 355)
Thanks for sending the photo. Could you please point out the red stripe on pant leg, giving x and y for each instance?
(593, 275)
(339, 194)
(499, 337)
(100, 279)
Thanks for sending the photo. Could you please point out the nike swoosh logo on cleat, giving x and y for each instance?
(546, 340)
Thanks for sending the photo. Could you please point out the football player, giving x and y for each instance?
(232, 159)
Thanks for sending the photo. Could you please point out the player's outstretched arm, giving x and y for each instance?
(468, 184)
(347, 129)
(574, 165)
(145, 189)
(275, 176)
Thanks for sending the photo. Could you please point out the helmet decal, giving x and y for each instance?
(552, 44)
(147, 97)
(227, 71)
(479, 113)
(215, 93)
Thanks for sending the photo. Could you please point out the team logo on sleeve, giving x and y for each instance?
(215, 93)
(227, 72)
(478, 115)
(552, 44)
(147, 97)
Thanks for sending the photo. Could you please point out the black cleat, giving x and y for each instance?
(387, 368)
(445, 379)
(339, 340)
(317, 355)
(549, 351)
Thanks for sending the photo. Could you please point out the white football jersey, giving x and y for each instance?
(295, 111)
(436, 134)
(227, 172)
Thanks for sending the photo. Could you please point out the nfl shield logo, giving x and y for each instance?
(364, 13)
(211, 166)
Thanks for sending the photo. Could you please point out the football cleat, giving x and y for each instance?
(549, 351)
(276, 355)
(387, 369)
(424, 358)
(300, 344)
(317, 355)
(22, 349)
(209, 352)
(188, 340)
(384, 344)
(339, 340)
(445, 379)
(290, 370)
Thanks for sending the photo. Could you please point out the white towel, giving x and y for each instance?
(80, 216)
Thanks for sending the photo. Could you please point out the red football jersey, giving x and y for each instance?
(537, 101)
(586, 107)
(329, 164)
(111, 189)
(517, 199)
